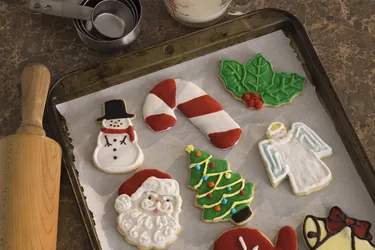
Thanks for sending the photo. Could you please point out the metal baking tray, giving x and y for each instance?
(199, 43)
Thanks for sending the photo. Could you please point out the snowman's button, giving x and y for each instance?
(114, 140)
(115, 149)
(115, 157)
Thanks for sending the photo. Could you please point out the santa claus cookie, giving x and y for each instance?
(337, 232)
(117, 150)
(257, 85)
(201, 109)
(252, 239)
(297, 155)
(222, 194)
(149, 204)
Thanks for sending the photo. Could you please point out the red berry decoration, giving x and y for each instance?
(246, 97)
(198, 153)
(258, 104)
(212, 165)
(211, 184)
(217, 208)
(254, 95)
(209, 196)
(250, 103)
(242, 192)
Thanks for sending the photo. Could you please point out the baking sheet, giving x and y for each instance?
(272, 207)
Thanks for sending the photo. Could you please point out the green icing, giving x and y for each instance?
(204, 188)
(211, 213)
(275, 88)
(217, 195)
(235, 182)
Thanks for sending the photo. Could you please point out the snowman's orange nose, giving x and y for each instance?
(115, 122)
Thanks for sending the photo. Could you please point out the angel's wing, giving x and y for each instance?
(275, 163)
(308, 137)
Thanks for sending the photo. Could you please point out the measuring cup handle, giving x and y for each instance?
(237, 9)
(62, 9)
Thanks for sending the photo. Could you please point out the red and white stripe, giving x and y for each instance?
(202, 110)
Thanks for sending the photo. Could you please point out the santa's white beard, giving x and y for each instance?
(147, 230)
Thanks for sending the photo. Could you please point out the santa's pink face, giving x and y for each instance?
(155, 204)
(116, 123)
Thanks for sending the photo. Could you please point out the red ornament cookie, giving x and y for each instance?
(252, 239)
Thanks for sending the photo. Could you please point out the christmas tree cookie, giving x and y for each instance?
(222, 194)
(256, 84)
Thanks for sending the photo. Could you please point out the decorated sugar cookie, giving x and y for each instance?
(117, 150)
(252, 239)
(337, 232)
(257, 85)
(149, 204)
(297, 155)
(222, 194)
(201, 109)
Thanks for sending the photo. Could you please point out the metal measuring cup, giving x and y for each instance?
(108, 17)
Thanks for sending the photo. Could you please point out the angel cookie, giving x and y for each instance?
(117, 150)
(296, 154)
(337, 232)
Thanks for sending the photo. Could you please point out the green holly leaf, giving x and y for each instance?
(232, 73)
(285, 87)
(258, 76)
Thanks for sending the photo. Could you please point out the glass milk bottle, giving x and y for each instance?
(200, 13)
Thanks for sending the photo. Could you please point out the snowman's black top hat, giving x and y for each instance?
(115, 109)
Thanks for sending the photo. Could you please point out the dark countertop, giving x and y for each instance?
(342, 32)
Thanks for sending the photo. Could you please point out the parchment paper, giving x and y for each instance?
(272, 207)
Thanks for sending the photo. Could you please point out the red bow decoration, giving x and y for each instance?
(129, 130)
(337, 220)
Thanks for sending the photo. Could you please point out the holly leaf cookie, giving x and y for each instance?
(252, 239)
(256, 84)
(337, 232)
(222, 194)
(149, 204)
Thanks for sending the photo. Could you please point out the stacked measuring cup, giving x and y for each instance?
(103, 25)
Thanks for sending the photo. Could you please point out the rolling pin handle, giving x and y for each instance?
(35, 82)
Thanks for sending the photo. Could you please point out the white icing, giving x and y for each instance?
(298, 156)
(186, 91)
(150, 217)
(223, 122)
(256, 248)
(129, 155)
(242, 242)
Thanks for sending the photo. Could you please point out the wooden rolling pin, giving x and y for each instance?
(30, 166)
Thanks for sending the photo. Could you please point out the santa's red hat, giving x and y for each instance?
(131, 185)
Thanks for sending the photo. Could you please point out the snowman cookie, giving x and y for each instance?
(252, 239)
(117, 150)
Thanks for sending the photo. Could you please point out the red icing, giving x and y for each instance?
(129, 130)
(211, 184)
(242, 192)
(209, 196)
(199, 106)
(217, 208)
(133, 183)
(160, 122)
(166, 91)
(225, 139)
(198, 153)
(258, 104)
(212, 165)
(287, 240)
